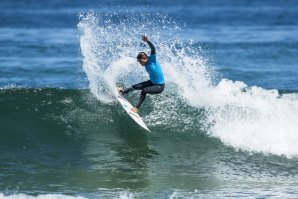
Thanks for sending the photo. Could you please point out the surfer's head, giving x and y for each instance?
(142, 58)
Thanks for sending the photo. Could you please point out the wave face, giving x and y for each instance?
(66, 141)
(245, 117)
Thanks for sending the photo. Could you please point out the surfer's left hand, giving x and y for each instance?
(134, 109)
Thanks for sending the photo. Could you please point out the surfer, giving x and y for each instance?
(156, 84)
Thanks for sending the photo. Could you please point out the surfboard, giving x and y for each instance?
(127, 107)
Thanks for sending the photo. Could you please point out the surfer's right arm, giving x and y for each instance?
(152, 47)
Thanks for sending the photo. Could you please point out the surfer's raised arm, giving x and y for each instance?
(152, 47)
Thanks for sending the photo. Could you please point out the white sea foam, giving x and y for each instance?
(42, 196)
(249, 118)
(121, 195)
(10, 86)
(256, 120)
(126, 195)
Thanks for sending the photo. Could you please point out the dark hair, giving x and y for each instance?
(142, 55)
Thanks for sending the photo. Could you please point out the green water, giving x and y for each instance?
(65, 141)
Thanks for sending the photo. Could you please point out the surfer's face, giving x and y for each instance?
(143, 61)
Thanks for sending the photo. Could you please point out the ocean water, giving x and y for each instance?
(226, 125)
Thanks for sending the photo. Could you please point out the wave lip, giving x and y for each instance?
(256, 119)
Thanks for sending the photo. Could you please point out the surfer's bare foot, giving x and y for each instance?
(134, 109)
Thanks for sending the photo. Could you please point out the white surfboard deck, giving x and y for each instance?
(127, 107)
